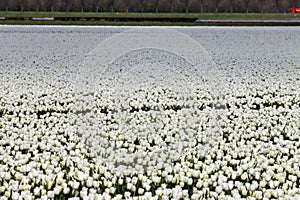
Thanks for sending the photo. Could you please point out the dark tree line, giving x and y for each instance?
(199, 6)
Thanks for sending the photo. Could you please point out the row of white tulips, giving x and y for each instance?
(150, 143)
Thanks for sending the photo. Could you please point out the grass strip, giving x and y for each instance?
(212, 16)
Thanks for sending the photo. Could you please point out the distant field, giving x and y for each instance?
(135, 18)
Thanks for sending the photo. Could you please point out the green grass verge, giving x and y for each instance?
(145, 23)
(212, 16)
(96, 23)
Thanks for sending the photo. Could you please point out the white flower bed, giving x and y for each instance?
(161, 152)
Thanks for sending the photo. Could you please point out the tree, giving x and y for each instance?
(186, 6)
(141, 5)
(126, 2)
(22, 5)
(216, 4)
(247, 5)
(96, 4)
(112, 3)
(201, 6)
(156, 5)
(277, 5)
(6, 5)
(67, 5)
(37, 5)
(294, 3)
(81, 5)
(261, 5)
(231, 6)
(50, 5)
(171, 6)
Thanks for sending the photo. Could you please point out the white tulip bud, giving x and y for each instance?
(15, 187)
(292, 178)
(268, 194)
(66, 190)
(141, 191)
(127, 195)
(76, 185)
(134, 180)
(148, 187)
(244, 176)
(244, 190)
(57, 190)
(181, 184)
(219, 189)
(2, 189)
(190, 181)
(7, 176)
(233, 175)
(185, 193)
(195, 197)
(15, 195)
(96, 184)
(129, 186)
(112, 190)
(50, 194)
(44, 197)
(133, 188)
(230, 185)
(89, 182)
(169, 178)
(36, 191)
(7, 193)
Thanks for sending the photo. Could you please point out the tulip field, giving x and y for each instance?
(149, 113)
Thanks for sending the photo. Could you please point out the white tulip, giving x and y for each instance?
(234, 175)
(129, 186)
(66, 190)
(133, 188)
(258, 194)
(141, 191)
(15, 195)
(2, 175)
(37, 191)
(75, 185)
(147, 187)
(268, 194)
(44, 197)
(219, 189)
(280, 193)
(109, 184)
(50, 194)
(7, 176)
(57, 190)
(112, 190)
(134, 180)
(244, 176)
(83, 193)
(244, 191)
(89, 182)
(15, 187)
(127, 195)
(292, 178)
(257, 175)
(2, 189)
